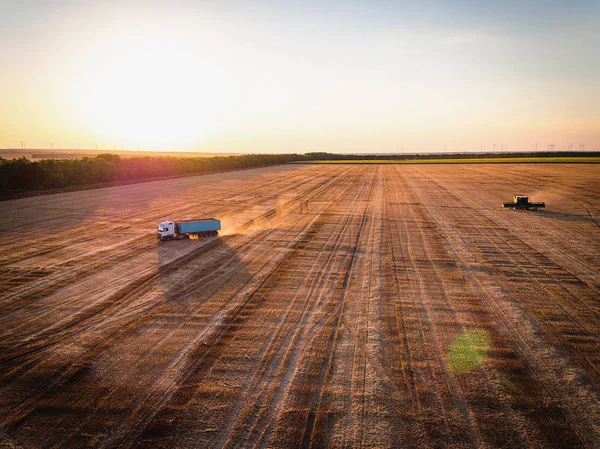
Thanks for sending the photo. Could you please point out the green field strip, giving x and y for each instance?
(507, 160)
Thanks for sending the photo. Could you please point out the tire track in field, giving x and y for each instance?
(548, 241)
(271, 285)
(112, 329)
(437, 325)
(198, 350)
(587, 205)
(479, 393)
(82, 234)
(326, 329)
(85, 272)
(60, 331)
(535, 180)
(425, 408)
(356, 416)
(123, 292)
(372, 423)
(92, 355)
(552, 369)
(203, 357)
(66, 329)
(274, 286)
(284, 347)
(14, 300)
(307, 397)
(194, 345)
(298, 245)
(87, 231)
(572, 308)
(81, 263)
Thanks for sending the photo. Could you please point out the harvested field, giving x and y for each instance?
(342, 306)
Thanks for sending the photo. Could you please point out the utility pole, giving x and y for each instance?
(444, 148)
(494, 148)
(536, 144)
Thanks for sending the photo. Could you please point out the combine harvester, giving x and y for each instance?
(177, 230)
(522, 202)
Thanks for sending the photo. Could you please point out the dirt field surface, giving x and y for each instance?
(342, 306)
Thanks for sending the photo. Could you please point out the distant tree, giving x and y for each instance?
(22, 175)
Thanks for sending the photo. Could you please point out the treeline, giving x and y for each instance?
(23, 175)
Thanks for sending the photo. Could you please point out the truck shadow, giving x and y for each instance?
(191, 273)
(160, 319)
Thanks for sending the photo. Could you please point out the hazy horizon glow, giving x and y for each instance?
(356, 76)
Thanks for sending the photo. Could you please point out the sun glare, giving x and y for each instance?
(151, 92)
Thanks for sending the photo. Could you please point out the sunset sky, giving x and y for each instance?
(277, 76)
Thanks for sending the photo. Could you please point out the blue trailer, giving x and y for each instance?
(183, 229)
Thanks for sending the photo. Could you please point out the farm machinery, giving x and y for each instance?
(522, 202)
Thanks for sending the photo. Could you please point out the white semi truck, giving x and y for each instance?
(183, 229)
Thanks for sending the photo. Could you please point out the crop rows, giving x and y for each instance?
(341, 306)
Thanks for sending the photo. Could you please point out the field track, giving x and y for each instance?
(351, 306)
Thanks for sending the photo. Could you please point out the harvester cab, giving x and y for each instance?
(522, 202)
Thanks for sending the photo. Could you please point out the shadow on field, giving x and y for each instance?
(563, 216)
(197, 310)
(191, 272)
(150, 327)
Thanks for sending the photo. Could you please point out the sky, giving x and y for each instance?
(280, 76)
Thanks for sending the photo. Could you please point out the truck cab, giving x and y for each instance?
(165, 230)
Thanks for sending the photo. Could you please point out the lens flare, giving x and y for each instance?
(468, 351)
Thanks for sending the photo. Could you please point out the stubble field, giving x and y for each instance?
(342, 306)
